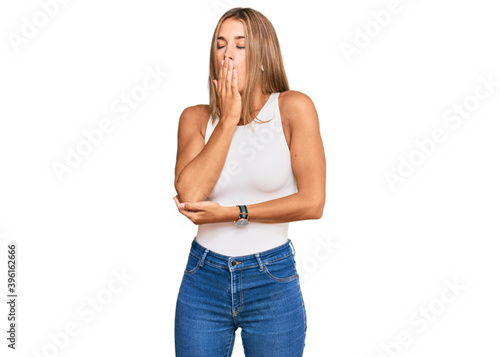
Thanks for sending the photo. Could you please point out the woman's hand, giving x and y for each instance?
(228, 95)
(204, 211)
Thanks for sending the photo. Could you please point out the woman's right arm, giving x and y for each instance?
(199, 166)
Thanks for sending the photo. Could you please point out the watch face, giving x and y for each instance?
(242, 222)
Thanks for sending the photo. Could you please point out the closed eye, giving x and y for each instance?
(236, 47)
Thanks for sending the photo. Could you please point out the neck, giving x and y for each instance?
(259, 99)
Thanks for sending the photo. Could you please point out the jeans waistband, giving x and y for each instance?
(242, 261)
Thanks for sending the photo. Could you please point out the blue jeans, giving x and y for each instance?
(258, 292)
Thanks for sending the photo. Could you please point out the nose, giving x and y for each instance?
(228, 54)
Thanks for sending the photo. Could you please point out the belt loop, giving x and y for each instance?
(203, 257)
(261, 267)
(292, 246)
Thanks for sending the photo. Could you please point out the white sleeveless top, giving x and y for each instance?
(257, 169)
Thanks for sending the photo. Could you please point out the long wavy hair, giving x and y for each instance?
(262, 48)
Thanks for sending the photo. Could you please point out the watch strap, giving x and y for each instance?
(243, 212)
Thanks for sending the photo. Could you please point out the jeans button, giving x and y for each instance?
(233, 263)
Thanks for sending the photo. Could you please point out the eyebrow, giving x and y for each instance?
(235, 37)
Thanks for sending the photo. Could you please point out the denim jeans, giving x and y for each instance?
(258, 292)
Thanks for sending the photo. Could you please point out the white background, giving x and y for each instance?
(394, 249)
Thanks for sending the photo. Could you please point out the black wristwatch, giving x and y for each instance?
(243, 218)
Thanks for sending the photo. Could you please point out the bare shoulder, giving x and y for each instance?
(297, 106)
(195, 116)
(294, 94)
(190, 139)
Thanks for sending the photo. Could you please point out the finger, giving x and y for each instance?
(192, 216)
(234, 84)
(219, 75)
(229, 77)
(223, 79)
(176, 200)
(187, 214)
(190, 206)
(180, 206)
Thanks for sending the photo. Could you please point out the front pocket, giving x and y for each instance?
(193, 264)
(282, 269)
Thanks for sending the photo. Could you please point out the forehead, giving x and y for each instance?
(231, 28)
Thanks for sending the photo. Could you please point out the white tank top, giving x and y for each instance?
(257, 169)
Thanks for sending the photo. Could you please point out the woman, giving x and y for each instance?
(241, 181)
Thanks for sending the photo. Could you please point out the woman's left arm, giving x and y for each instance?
(309, 167)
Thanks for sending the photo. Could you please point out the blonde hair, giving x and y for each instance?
(262, 48)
